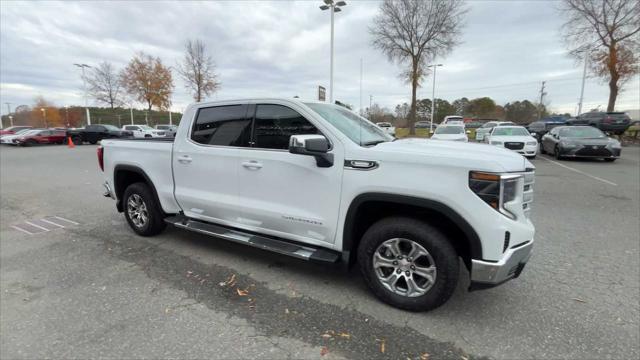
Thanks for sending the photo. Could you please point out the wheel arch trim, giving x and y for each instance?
(131, 168)
(348, 241)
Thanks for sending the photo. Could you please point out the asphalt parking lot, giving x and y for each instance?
(90, 288)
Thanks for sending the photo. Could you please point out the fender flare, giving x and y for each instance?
(473, 240)
(139, 171)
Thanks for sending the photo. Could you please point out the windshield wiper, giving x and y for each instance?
(374, 142)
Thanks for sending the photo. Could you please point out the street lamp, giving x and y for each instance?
(433, 95)
(44, 116)
(84, 88)
(334, 7)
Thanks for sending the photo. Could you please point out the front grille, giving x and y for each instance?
(514, 145)
(527, 193)
(600, 150)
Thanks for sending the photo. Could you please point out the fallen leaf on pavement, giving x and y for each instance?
(324, 351)
(382, 345)
(242, 292)
(325, 336)
(578, 300)
(424, 356)
(344, 335)
(286, 311)
(229, 282)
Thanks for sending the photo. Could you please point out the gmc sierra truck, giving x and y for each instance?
(317, 182)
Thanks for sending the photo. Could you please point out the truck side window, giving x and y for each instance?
(274, 125)
(222, 125)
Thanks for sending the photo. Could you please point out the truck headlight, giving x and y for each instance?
(497, 190)
(496, 143)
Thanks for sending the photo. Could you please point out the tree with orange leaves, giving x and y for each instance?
(149, 81)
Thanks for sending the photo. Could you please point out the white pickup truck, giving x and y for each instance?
(317, 182)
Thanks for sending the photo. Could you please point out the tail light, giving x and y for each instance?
(100, 152)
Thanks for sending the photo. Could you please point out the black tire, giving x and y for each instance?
(609, 160)
(155, 217)
(556, 153)
(93, 142)
(542, 149)
(77, 140)
(531, 157)
(431, 239)
(30, 143)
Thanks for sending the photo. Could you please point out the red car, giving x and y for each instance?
(13, 129)
(35, 137)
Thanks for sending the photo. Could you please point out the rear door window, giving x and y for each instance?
(223, 126)
(274, 125)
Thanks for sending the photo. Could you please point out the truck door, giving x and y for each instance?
(284, 194)
(205, 162)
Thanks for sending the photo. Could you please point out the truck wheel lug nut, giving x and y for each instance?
(395, 263)
(407, 273)
(398, 271)
(413, 267)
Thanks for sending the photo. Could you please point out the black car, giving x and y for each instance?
(579, 141)
(94, 133)
(615, 122)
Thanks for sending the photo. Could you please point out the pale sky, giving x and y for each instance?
(282, 49)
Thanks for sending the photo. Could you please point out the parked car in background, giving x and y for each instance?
(454, 120)
(450, 132)
(387, 128)
(539, 128)
(8, 139)
(580, 141)
(144, 131)
(423, 125)
(515, 138)
(169, 129)
(473, 124)
(14, 129)
(94, 133)
(488, 126)
(39, 137)
(614, 122)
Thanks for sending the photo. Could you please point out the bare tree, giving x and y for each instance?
(149, 81)
(606, 32)
(412, 32)
(104, 84)
(197, 70)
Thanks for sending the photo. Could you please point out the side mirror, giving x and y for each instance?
(312, 145)
(533, 134)
(468, 131)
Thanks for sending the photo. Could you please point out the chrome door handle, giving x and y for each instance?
(252, 164)
(184, 159)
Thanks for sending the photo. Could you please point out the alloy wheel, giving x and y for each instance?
(404, 267)
(137, 210)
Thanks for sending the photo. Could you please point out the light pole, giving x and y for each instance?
(44, 116)
(433, 95)
(84, 89)
(8, 114)
(334, 7)
(584, 76)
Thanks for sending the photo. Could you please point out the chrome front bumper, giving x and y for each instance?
(486, 274)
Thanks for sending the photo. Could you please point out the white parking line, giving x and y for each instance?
(580, 172)
(23, 230)
(36, 225)
(67, 220)
(52, 223)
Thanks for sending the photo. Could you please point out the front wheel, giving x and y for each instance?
(556, 153)
(142, 211)
(77, 140)
(408, 263)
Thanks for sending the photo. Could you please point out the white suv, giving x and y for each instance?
(144, 131)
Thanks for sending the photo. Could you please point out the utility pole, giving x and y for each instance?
(8, 114)
(131, 113)
(119, 122)
(170, 121)
(433, 96)
(584, 76)
(333, 7)
(542, 94)
(84, 88)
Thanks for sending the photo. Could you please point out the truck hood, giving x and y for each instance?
(473, 154)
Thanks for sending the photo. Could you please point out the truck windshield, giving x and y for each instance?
(358, 129)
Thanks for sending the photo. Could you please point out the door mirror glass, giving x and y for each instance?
(312, 145)
(533, 134)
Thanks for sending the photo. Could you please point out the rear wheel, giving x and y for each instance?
(30, 143)
(408, 263)
(142, 211)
